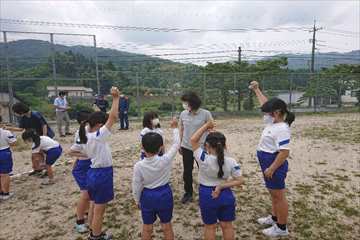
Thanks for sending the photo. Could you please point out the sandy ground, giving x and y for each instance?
(323, 186)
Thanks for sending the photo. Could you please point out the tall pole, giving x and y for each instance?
(312, 69)
(137, 95)
(10, 88)
(53, 63)
(239, 55)
(96, 67)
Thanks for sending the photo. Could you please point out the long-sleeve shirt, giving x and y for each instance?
(155, 171)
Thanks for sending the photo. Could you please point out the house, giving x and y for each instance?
(72, 91)
(349, 98)
(5, 106)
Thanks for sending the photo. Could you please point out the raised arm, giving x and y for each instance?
(198, 134)
(114, 111)
(254, 85)
(176, 141)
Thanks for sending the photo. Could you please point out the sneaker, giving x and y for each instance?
(47, 182)
(275, 231)
(266, 220)
(44, 175)
(6, 197)
(103, 236)
(81, 228)
(186, 198)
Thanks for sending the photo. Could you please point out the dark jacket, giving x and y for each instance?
(124, 104)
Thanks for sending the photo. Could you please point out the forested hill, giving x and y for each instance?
(27, 53)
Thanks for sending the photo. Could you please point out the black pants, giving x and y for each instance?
(188, 163)
(124, 120)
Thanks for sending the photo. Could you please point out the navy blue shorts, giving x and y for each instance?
(157, 202)
(278, 179)
(100, 184)
(80, 172)
(6, 162)
(221, 208)
(52, 155)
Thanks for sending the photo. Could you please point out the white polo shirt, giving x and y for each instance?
(60, 102)
(209, 168)
(6, 138)
(156, 171)
(46, 144)
(97, 148)
(275, 136)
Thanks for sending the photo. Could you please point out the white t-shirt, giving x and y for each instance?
(155, 130)
(275, 137)
(77, 146)
(156, 171)
(6, 138)
(97, 148)
(209, 168)
(46, 144)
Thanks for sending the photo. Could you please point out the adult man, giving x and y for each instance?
(191, 119)
(32, 120)
(101, 103)
(123, 112)
(62, 107)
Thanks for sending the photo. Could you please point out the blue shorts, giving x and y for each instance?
(80, 172)
(278, 179)
(52, 155)
(6, 162)
(221, 208)
(100, 184)
(157, 202)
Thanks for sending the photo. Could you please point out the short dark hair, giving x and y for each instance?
(152, 142)
(82, 116)
(62, 93)
(20, 108)
(148, 117)
(193, 99)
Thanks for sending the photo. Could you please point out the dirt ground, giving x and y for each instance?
(323, 186)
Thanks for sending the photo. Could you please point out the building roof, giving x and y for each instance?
(70, 88)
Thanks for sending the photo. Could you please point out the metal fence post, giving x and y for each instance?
(137, 95)
(10, 87)
(290, 93)
(204, 88)
(96, 67)
(53, 63)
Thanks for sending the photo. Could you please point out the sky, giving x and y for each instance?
(340, 22)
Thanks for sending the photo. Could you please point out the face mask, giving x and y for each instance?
(268, 119)
(155, 122)
(185, 106)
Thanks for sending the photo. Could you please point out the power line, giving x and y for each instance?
(148, 29)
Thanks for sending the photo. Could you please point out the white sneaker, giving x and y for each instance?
(266, 220)
(81, 228)
(275, 231)
(6, 197)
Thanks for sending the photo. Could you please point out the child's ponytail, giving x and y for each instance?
(217, 141)
(82, 132)
(290, 117)
(220, 158)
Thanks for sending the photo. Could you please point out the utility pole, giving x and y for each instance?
(96, 66)
(10, 88)
(312, 70)
(239, 56)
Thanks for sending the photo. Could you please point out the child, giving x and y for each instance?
(100, 175)
(7, 139)
(150, 185)
(218, 173)
(272, 152)
(80, 169)
(46, 146)
(151, 123)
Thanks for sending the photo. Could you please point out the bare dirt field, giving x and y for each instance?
(323, 186)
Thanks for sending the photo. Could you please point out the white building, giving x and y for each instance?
(72, 91)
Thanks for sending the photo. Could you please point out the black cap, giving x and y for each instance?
(274, 104)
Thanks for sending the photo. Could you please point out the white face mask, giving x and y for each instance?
(185, 106)
(268, 119)
(155, 122)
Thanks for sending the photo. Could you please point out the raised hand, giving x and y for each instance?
(254, 85)
(211, 124)
(115, 92)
